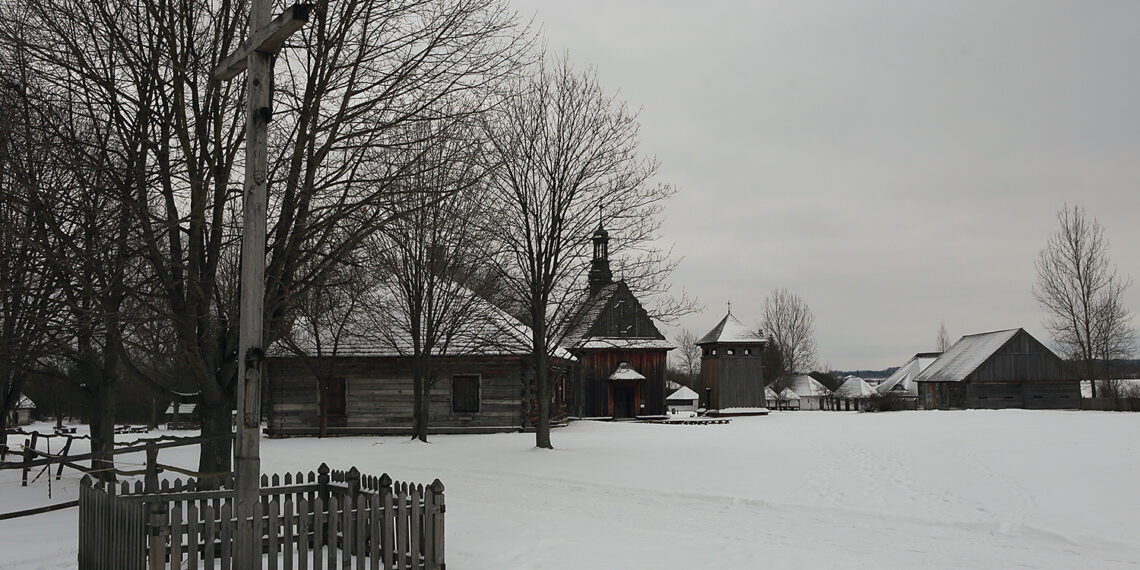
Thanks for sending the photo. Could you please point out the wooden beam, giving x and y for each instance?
(268, 40)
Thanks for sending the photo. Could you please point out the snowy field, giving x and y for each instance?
(972, 489)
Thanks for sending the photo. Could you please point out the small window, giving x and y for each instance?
(729, 351)
(714, 352)
(747, 352)
(465, 393)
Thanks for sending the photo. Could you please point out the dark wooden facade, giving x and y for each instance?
(595, 395)
(1021, 373)
(378, 395)
(733, 380)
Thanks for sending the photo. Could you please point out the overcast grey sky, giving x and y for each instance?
(894, 163)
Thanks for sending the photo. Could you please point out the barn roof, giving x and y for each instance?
(731, 331)
(962, 359)
(770, 394)
(685, 393)
(788, 394)
(855, 387)
(902, 381)
(25, 403)
(805, 386)
(487, 331)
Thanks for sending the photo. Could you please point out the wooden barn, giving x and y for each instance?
(1000, 369)
(732, 374)
(621, 354)
(366, 387)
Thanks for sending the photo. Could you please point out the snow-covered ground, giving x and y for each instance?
(972, 489)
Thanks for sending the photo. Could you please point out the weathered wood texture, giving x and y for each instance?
(622, 316)
(1023, 373)
(1022, 359)
(379, 396)
(338, 518)
(592, 393)
(737, 380)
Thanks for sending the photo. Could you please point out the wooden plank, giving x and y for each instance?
(402, 526)
(361, 513)
(415, 548)
(374, 513)
(331, 537)
(318, 532)
(176, 536)
(386, 527)
(208, 536)
(192, 538)
(303, 529)
(287, 526)
(273, 529)
(258, 534)
(429, 529)
(227, 531)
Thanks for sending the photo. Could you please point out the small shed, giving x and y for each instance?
(21, 415)
(683, 400)
(785, 399)
(1000, 369)
(810, 391)
(181, 415)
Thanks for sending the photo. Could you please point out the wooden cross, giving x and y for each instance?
(255, 56)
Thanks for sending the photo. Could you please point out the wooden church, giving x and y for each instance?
(621, 354)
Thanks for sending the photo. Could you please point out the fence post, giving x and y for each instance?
(323, 482)
(28, 447)
(352, 479)
(438, 509)
(150, 480)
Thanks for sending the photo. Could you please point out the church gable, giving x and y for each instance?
(623, 316)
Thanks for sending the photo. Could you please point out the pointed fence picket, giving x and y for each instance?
(337, 520)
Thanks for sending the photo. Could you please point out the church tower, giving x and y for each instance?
(600, 274)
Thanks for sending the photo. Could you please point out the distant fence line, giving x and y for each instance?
(1111, 404)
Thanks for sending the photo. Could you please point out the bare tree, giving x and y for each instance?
(360, 75)
(1082, 295)
(943, 342)
(688, 356)
(790, 326)
(565, 155)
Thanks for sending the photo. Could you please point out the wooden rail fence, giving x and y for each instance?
(328, 519)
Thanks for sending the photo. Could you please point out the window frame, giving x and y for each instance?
(478, 379)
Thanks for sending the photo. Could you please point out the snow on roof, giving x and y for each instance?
(685, 393)
(623, 342)
(181, 408)
(487, 331)
(587, 314)
(788, 394)
(902, 381)
(626, 372)
(855, 387)
(731, 331)
(962, 359)
(805, 386)
(770, 394)
(25, 403)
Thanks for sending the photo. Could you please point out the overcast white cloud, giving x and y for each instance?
(894, 163)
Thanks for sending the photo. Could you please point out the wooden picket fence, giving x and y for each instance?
(328, 519)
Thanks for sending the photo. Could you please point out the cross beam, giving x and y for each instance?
(267, 40)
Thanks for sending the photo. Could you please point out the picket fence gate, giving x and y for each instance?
(335, 520)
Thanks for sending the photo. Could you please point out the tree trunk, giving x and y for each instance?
(419, 399)
(103, 430)
(216, 453)
(542, 385)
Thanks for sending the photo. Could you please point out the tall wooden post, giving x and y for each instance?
(255, 56)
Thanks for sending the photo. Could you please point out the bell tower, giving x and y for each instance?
(600, 274)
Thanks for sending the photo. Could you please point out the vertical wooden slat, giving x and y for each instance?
(361, 513)
(386, 526)
(330, 538)
(318, 532)
(288, 542)
(258, 533)
(346, 533)
(402, 526)
(208, 535)
(273, 529)
(429, 529)
(374, 518)
(192, 536)
(225, 519)
(414, 545)
(176, 536)
(303, 534)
